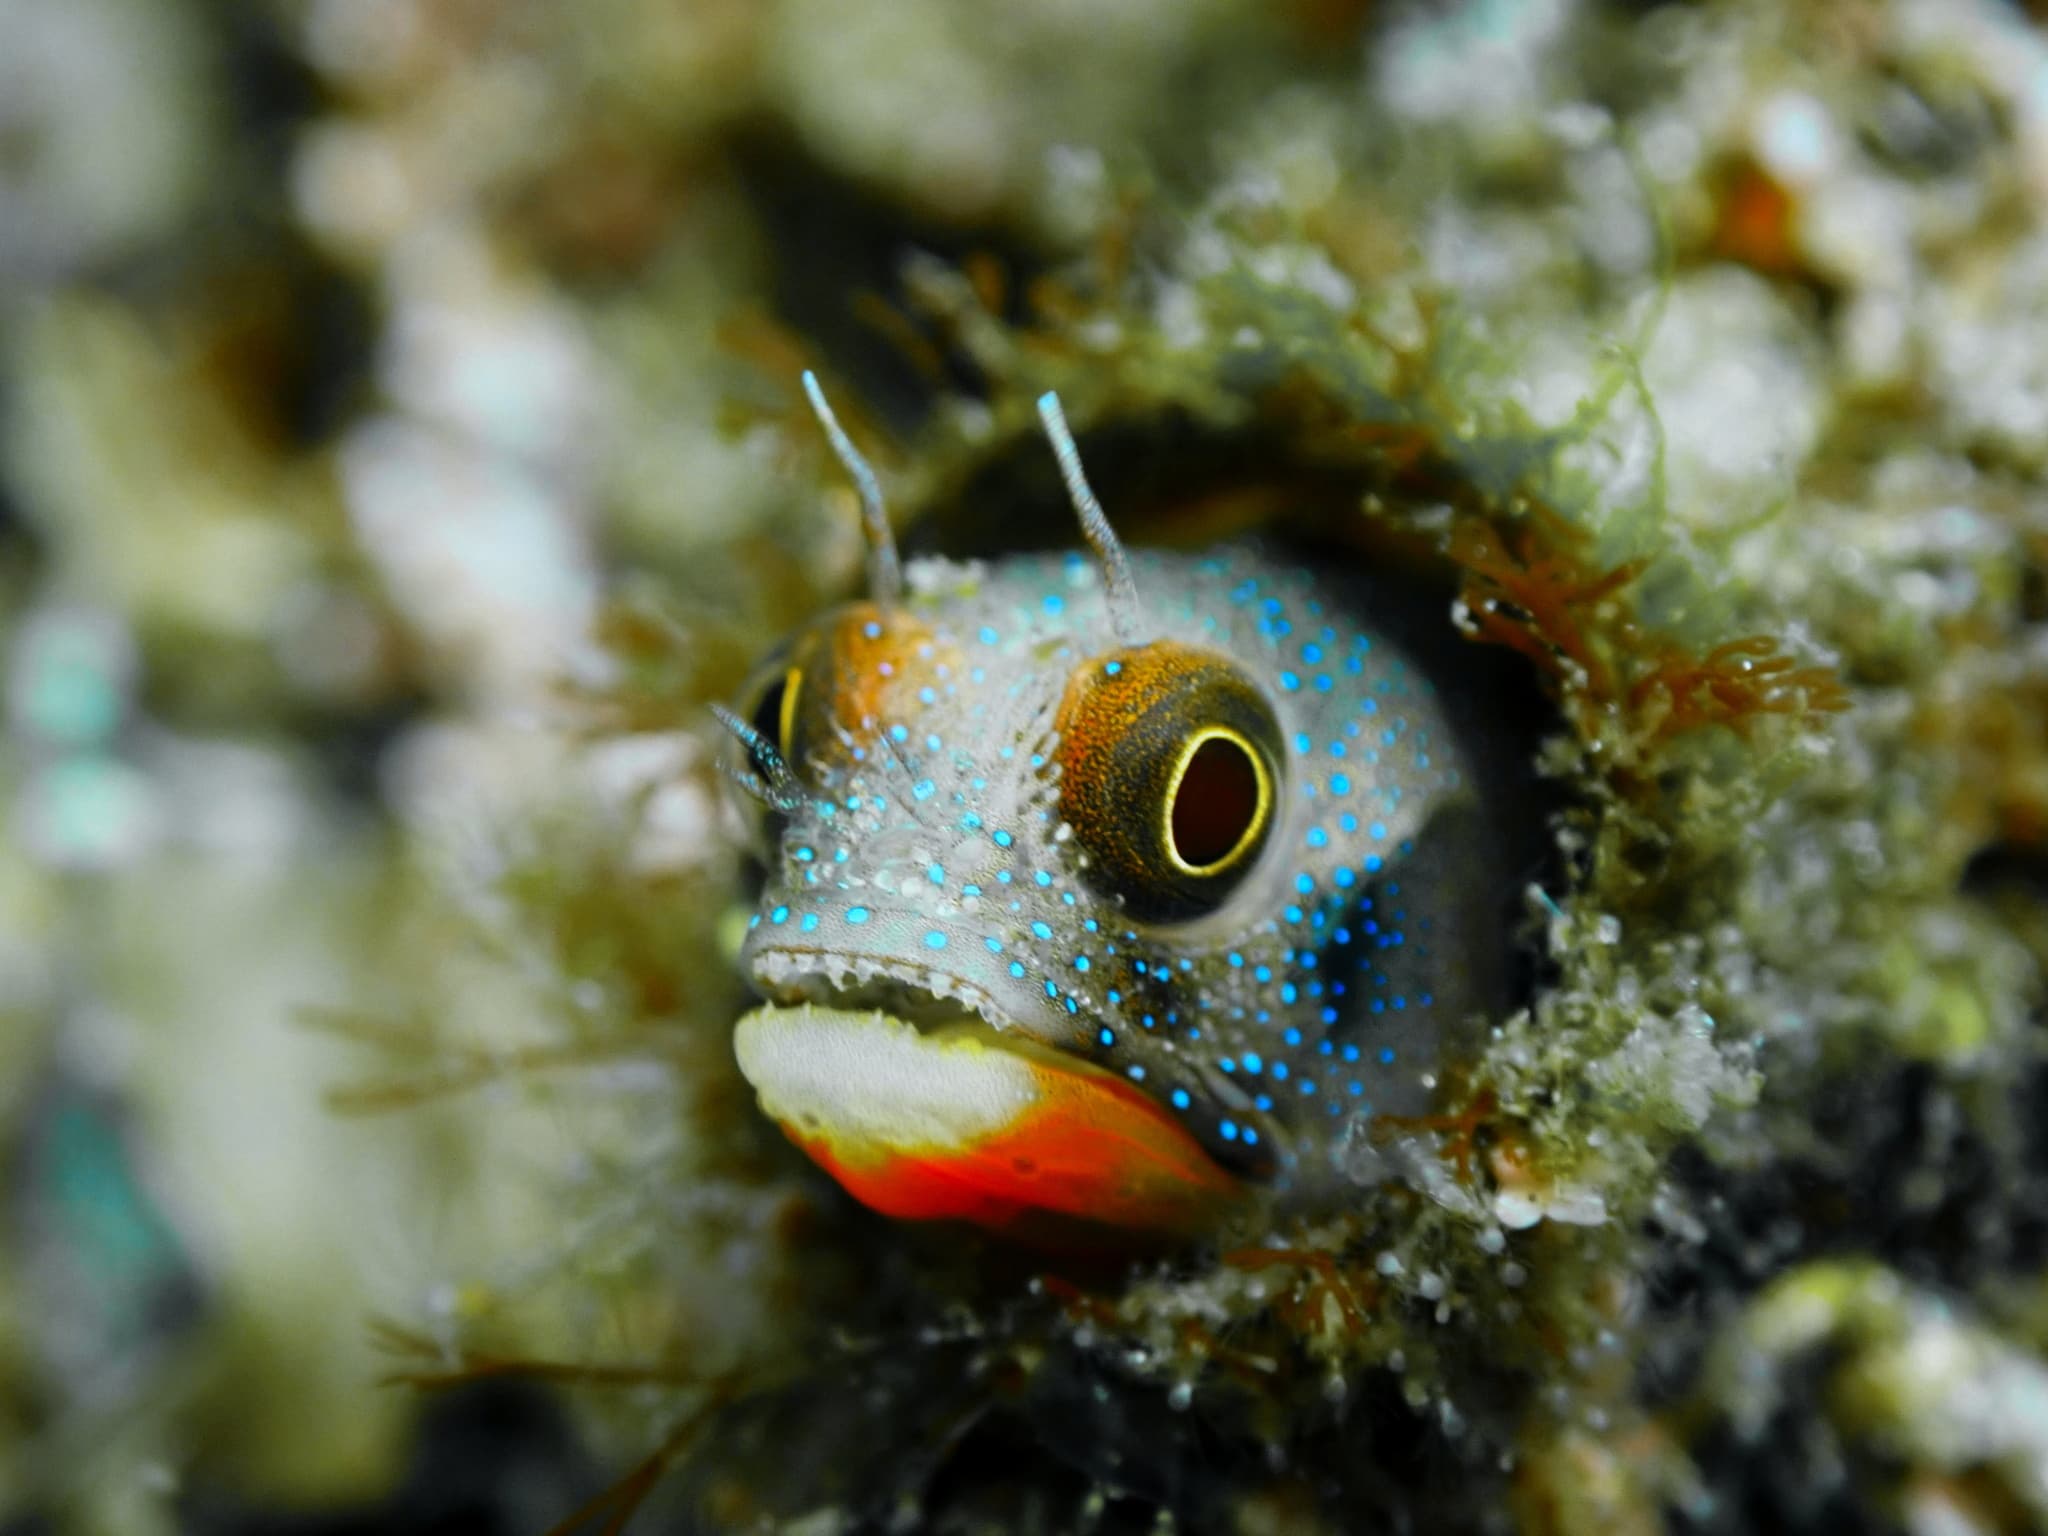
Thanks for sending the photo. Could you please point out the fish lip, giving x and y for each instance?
(832, 978)
(792, 977)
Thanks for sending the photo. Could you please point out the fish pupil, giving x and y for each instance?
(768, 720)
(1216, 803)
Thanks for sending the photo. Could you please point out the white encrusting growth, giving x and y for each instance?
(1116, 566)
(885, 572)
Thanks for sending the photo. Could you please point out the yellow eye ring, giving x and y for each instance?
(774, 713)
(1173, 838)
(785, 717)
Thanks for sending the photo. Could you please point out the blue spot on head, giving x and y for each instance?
(1112, 668)
(935, 940)
(856, 915)
(936, 874)
(1017, 968)
(1080, 962)
(1107, 1037)
(1228, 1130)
(1054, 603)
(987, 635)
(1180, 1098)
(809, 923)
(1042, 930)
(1002, 838)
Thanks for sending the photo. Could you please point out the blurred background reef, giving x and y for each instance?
(400, 449)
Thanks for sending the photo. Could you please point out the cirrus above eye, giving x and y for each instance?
(1168, 759)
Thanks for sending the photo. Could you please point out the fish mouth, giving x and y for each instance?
(935, 1000)
(925, 1110)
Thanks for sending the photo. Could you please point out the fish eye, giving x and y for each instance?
(1169, 773)
(773, 716)
(764, 765)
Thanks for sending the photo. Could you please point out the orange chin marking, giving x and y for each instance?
(1092, 1149)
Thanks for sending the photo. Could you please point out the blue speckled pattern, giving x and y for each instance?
(924, 866)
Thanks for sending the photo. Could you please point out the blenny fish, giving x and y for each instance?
(1106, 891)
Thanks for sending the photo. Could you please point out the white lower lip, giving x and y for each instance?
(866, 1078)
